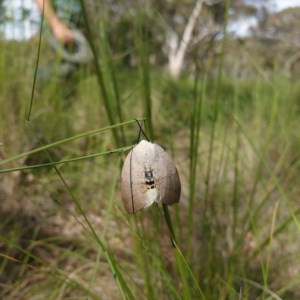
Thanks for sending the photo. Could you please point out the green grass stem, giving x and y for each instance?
(55, 163)
(100, 78)
(36, 66)
(57, 143)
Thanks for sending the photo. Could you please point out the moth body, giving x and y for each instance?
(149, 178)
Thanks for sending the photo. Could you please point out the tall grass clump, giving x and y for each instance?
(63, 230)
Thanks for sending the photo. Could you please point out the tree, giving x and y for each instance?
(178, 48)
(174, 28)
(194, 32)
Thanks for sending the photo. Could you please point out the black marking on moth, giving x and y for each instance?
(149, 178)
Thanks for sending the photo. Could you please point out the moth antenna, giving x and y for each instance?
(141, 130)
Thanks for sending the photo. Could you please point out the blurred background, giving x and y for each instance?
(217, 83)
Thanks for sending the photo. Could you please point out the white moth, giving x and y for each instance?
(148, 175)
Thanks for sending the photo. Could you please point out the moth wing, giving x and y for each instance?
(146, 153)
(168, 181)
(132, 192)
(170, 189)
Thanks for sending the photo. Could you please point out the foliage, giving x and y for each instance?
(63, 230)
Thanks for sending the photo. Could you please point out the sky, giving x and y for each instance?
(19, 29)
(243, 26)
(274, 5)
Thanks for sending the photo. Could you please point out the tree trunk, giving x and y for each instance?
(178, 48)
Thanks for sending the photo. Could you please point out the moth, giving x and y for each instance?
(148, 175)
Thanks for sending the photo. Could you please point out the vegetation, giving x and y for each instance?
(63, 231)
